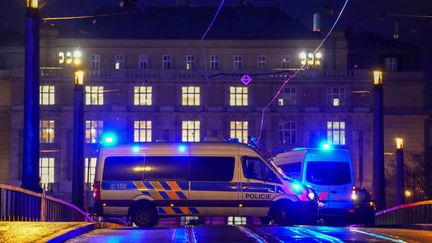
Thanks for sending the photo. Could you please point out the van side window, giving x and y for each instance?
(211, 168)
(159, 168)
(254, 168)
(123, 168)
(292, 169)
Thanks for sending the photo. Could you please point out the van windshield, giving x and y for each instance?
(328, 173)
(292, 169)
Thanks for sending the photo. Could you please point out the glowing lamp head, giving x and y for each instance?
(399, 143)
(109, 139)
(33, 4)
(377, 77)
(182, 148)
(318, 55)
(297, 187)
(302, 55)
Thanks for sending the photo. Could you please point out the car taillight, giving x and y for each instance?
(96, 190)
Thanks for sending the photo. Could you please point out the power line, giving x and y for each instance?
(301, 68)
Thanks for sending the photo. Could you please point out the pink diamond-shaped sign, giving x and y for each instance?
(246, 79)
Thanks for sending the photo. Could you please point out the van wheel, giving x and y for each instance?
(281, 216)
(145, 216)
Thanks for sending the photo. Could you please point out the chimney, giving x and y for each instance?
(317, 22)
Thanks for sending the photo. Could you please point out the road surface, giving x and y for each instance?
(254, 234)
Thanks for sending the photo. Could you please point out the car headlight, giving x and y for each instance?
(311, 195)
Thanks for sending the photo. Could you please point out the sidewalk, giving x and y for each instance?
(45, 231)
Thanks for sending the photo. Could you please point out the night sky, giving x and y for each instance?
(371, 15)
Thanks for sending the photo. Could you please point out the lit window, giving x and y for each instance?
(391, 64)
(90, 170)
(214, 62)
(46, 131)
(285, 61)
(190, 96)
(261, 62)
(238, 96)
(142, 131)
(119, 62)
(167, 62)
(142, 95)
(47, 95)
(238, 62)
(190, 131)
(288, 96)
(239, 130)
(236, 220)
(287, 132)
(143, 62)
(336, 132)
(95, 61)
(94, 95)
(93, 130)
(190, 62)
(46, 172)
(336, 96)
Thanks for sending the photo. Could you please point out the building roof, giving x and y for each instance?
(189, 23)
(367, 40)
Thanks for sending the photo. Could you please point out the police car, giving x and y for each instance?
(152, 180)
(329, 172)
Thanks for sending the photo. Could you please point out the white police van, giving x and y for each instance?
(152, 180)
(330, 173)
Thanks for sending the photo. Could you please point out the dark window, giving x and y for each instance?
(292, 169)
(166, 168)
(123, 168)
(254, 168)
(328, 173)
(211, 168)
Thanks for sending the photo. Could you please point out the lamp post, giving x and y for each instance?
(73, 59)
(78, 141)
(30, 172)
(400, 180)
(378, 141)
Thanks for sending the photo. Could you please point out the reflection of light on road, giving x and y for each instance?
(314, 235)
(252, 234)
(378, 236)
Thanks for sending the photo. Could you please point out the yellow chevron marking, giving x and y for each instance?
(185, 210)
(140, 185)
(169, 210)
(155, 195)
(172, 195)
(157, 185)
(173, 185)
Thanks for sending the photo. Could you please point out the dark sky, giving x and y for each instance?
(360, 14)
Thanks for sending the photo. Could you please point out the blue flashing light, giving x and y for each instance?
(182, 148)
(325, 146)
(136, 149)
(109, 139)
(297, 187)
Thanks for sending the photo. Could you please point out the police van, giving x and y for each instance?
(330, 173)
(152, 180)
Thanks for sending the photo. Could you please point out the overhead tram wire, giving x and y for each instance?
(300, 69)
(46, 19)
(203, 50)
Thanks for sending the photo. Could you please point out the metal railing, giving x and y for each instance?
(412, 213)
(17, 204)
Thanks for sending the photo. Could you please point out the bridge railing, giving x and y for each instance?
(17, 204)
(412, 213)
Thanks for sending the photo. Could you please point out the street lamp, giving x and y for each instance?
(378, 140)
(400, 180)
(310, 60)
(30, 171)
(73, 59)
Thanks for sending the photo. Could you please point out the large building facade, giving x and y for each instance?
(152, 86)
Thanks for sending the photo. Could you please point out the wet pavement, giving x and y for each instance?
(255, 234)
